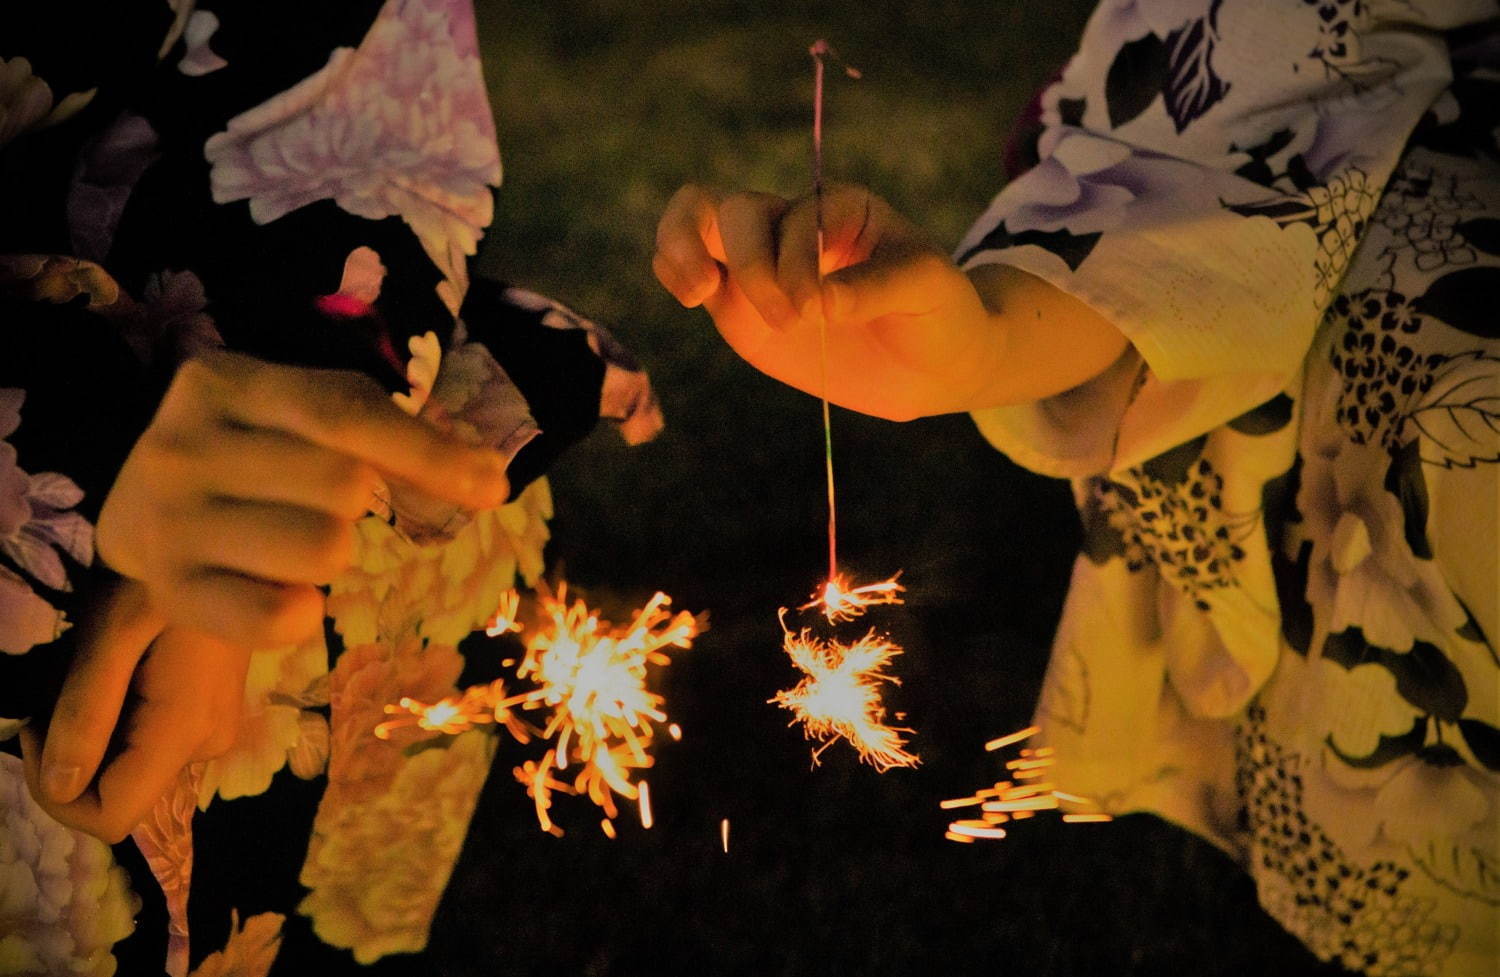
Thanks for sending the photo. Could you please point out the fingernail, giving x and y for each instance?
(60, 781)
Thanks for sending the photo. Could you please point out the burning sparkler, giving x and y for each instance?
(839, 696)
(591, 678)
(1019, 798)
(839, 602)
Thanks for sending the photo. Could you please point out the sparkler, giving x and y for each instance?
(590, 678)
(839, 694)
(1018, 798)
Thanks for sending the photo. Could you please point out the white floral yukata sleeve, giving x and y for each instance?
(1280, 631)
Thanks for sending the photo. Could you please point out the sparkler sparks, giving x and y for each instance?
(839, 696)
(590, 678)
(1008, 800)
(840, 602)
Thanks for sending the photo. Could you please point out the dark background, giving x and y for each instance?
(604, 109)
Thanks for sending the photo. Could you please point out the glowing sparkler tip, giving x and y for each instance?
(841, 602)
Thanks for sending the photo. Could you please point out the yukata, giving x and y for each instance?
(1281, 630)
(306, 183)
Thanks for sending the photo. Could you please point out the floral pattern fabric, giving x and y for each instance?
(1281, 631)
(204, 178)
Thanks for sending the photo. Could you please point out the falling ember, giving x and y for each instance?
(644, 802)
(608, 827)
(674, 731)
(839, 696)
(724, 834)
(1007, 800)
(839, 602)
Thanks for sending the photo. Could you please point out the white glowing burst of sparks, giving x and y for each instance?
(1026, 794)
(839, 696)
(590, 677)
(839, 602)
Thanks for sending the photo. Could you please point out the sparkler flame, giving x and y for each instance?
(840, 602)
(1010, 800)
(839, 696)
(591, 679)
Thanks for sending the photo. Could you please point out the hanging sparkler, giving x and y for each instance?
(839, 694)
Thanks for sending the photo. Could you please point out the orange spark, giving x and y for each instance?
(674, 731)
(478, 705)
(1007, 800)
(724, 834)
(644, 801)
(840, 602)
(608, 827)
(505, 617)
(839, 696)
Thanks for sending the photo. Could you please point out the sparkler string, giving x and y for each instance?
(818, 51)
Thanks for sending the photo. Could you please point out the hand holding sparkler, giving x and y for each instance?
(909, 333)
(240, 497)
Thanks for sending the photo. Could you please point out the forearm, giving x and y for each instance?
(1043, 340)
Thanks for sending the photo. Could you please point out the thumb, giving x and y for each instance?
(905, 284)
(111, 642)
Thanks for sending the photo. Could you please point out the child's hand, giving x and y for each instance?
(909, 334)
(240, 497)
(164, 695)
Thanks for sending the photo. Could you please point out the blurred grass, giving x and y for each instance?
(605, 107)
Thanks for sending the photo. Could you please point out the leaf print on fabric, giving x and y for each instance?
(1464, 300)
(26, 101)
(250, 950)
(400, 126)
(165, 840)
(199, 59)
(1192, 87)
(277, 723)
(26, 620)
(1472, 872)
(37, 523)
(1457, 419)
(1136, 77)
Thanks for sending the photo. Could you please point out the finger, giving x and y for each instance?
(690, 288)
(226, 698)
(274, 542)
(110, 644)
(797, 259)
(748, 224)
(244, 610)
(343, 411)
(689, 247)
(906, 285)
(273, 466)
